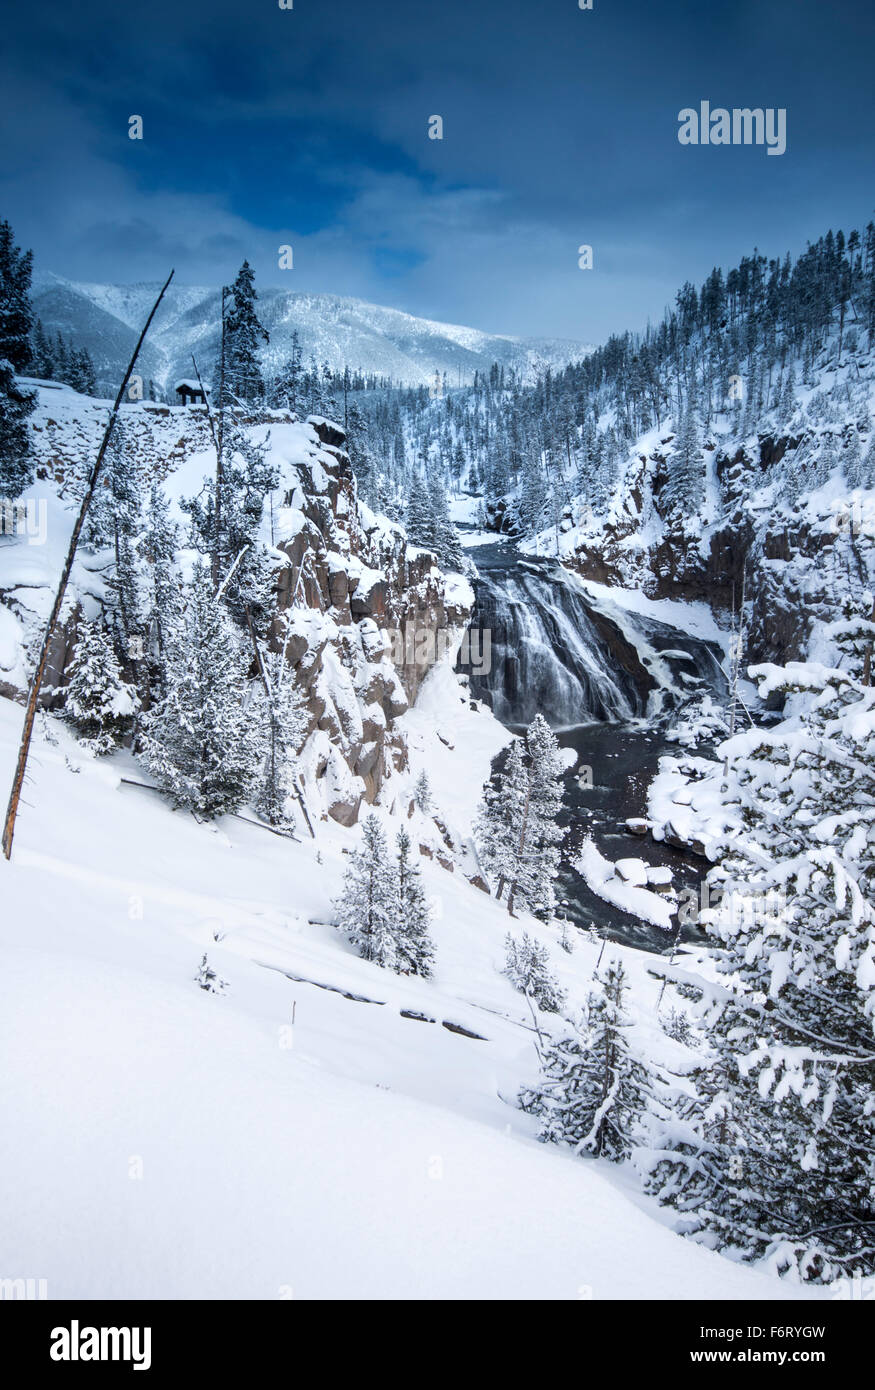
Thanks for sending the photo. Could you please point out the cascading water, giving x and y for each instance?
(602, 676)
(555, 649)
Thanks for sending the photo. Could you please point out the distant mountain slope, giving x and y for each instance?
(340, 331)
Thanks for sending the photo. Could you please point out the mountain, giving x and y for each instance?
(340, 331)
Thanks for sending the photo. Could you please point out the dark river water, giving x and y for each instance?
(551, 653)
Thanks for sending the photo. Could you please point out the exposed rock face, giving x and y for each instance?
(350, 583)
(786, 557)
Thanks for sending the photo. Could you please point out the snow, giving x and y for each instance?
(190, 385)
(697, 618)
(339, 330)
(619, 883)
(163, 1141)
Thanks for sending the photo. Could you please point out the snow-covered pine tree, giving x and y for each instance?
(247, 479)
(199, 741)
(788, 1176)
(684, 491)
(500, 818)
(447, 546)
(419, 517)
(161, 577)
(367, 908)
(207, 978)
(286, 723)
(286, 387)
(16, 321)
(594, 1092)
(243, 338)
(414, 948)
(422, 796)
(516, 832)
(98, 702)
(854, 635)
(527, 966)
(538, 853)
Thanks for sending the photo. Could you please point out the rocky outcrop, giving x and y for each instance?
(350, 585)
(785, 556)
(350, 593)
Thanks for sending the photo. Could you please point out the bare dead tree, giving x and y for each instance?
(39, 673)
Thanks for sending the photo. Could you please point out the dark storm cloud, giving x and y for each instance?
(308, 126)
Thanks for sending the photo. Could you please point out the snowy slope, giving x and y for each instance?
(163, 1141)
(337, 330)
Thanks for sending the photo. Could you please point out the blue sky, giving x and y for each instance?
(265, 127)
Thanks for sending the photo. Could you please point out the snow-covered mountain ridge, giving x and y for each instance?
(333, 329)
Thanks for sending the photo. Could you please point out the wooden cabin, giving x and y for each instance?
(191, 393)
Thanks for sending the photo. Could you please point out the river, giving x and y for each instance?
(606, 680)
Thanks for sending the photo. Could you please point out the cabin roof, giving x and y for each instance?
(187, 385)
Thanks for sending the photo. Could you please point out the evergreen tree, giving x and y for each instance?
(43, 361)
(787, 1173)
(527, 966)
(517, 832)
(594, 1092)
(419, 517)
(247, 479)
(286, 725)
(199, 742)
(207, 978)
(446, 544)
(243, 338)
(367, 908)
(286, 387)
(538, 852)
(422, 794)
(97, 701)
(16, 321)
(500, 818)
(161, 582)
(414, 948)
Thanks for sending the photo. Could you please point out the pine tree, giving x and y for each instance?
(207, 978)
(538, 859)
(162, 584)
(243, 338)
(788, 1175)
(594, 1092)
(500, 818)
(414, 948)
(16, 321)
(419, 516)
(199, 742)
(446, 543)
(527, 966)
(422, 796)
(684, 491)
(286, 387)
(98, 702)
(367, 908)
(247, 478)
(517, 831)
(43, 357)
(286, 724)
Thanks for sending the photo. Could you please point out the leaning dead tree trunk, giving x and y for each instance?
(42, 661)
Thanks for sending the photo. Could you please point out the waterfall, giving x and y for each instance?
(557, 650)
